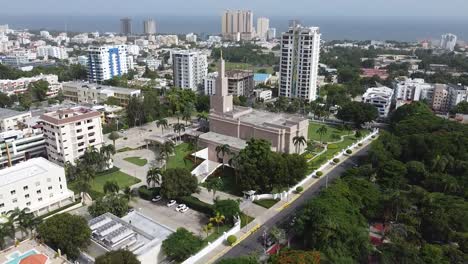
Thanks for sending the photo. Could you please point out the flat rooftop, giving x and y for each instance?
(99, 87)
(27, 169)
(69, 115)
(265, 119)
(221, 139)
(6, 113)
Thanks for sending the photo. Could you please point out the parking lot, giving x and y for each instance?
(168, 216)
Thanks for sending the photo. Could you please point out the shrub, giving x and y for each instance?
(332, 146)
(231, 239)
(373, 136)
(125, 138)
(148, 194)
(319, 173)
(196, 204)
(308, 156)
(359, 144)
(336, 160)
(348, 151)
(299, 189)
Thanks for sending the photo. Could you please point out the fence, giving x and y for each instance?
(342, 153)
(214, 244)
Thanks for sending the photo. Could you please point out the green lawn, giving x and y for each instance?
(123, 180)
(177, 160)
(267, 203)
(245, 219)
(228, 179)
(216, 233)
(137, 161)
(329, 136)
(124, 149)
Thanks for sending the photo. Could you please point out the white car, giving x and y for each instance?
(181, 207)
(156, 199)
(171, 203)
(185, 209)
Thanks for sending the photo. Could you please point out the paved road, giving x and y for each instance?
(252, 245)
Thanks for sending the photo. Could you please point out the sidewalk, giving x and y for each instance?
(260, 220)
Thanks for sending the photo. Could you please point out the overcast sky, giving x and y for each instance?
(439, 8)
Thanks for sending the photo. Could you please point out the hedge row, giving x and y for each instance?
(196, 204)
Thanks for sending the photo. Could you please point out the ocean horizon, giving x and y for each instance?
(332, 28)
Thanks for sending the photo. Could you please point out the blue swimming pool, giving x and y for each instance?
(16, 257)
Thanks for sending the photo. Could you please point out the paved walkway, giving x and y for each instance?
(268, 214)
(132, 169)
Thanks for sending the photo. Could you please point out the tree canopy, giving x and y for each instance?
(178, 182)
(120, 256)
(69, 233)
(181, 245)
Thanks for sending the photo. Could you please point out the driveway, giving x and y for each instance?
(132, 169)
(168, 216)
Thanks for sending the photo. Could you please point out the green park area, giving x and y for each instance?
(123, 180)
(244, 66)
(267, 203)
(178, 159)
(137, 161)
(332, 133)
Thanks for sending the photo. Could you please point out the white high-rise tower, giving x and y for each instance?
(149, 27)
(263, 25)
(190, 69)
(300, 51)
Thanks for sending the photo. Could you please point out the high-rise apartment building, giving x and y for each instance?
(237, 25)
(190, 69)
(69, 132)
(271, 34)
(105, 62)
(149, 27)
(126, 26)
(300, 51)
(263, 25)
(448, 41)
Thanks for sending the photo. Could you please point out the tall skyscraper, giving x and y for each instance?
(105, 62)
(263, 25)
(190, 68)
(271, 34)
(448, 41)
(237, 25)
(126, 26)
(149, 27)
(300, 51)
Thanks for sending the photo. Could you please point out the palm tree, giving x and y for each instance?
(234, 162)
(348, 128)
(111, 187)
(153, 176)
(322, 131)
(213, 185)
(203, 120)
(129, 194)
(196, 138)
(207, 228)
(106, 155)
(162, 122)
(224, 149)
(6, 230)
(218, 219)
(22, 219)
(167, 149)
(178, 128)
(187, 115)
(298, 141)
(114, 136)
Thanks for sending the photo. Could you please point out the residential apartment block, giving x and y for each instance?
(36, 184)
(300, 51)
(91, 93)
(381, 98)
(12, 120)
(189, 68)
(105, 62)
(237, 25)
(21, 85)
(240, 82)
(17, 146)
(69, 132)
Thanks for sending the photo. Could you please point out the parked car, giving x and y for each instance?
(171, 203)
(180, 207)
(184, 209)
(156, 199)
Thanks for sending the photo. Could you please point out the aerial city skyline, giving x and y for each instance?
(246, 132)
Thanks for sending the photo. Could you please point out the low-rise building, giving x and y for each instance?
(440, 98)
(69, 132)
(134, 232)
(12, 120)
(17, 146)
(381, 98)
(263, 94)
(412, 90)
(21, 85)
(456, 95)
(92, 93)
(36, 184)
